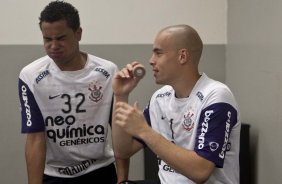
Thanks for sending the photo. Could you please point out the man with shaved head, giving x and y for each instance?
(192, 123)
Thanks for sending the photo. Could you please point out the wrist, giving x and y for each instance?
(150, 137)
(123, 98)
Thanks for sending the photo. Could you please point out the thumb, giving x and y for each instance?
(136, 105)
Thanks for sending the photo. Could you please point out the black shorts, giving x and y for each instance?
(105, 175)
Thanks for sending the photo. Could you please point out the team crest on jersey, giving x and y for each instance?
(96, 94)
(188, 123)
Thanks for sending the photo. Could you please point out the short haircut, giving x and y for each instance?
(60, 10)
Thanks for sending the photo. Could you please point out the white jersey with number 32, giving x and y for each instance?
(74, 109)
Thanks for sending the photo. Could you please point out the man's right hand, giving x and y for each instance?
(124, 81)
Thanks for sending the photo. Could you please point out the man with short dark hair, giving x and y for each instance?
(66, 99)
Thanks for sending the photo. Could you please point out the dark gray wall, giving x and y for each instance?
(14, 57)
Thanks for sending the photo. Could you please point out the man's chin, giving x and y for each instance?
(56, 58)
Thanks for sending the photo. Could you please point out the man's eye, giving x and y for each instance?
(158, 53)
(61, 38)
(47, 40)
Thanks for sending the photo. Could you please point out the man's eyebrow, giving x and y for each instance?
(56, 38)
(157, 50)
(46, 37)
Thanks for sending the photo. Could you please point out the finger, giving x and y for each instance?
(136, 105)
(121, 108)
(120, 104)
(119, 111)
(134, 63)
(124, 73)
(119, 116)
(129, 67)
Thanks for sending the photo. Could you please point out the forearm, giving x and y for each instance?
(184, 161)
(121, 139)
(35, 158)
(122, 143)
(122, 167)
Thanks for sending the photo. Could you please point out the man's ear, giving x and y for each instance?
(184, 56)
(78, 33)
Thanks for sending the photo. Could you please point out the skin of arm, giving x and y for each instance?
(35, 154)
(124, 144)
(186, 162)
(122, 167)
(123, 83)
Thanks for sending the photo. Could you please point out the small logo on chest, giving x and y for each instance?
(188, 123)
(96, 94)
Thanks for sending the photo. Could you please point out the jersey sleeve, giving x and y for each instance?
(213, 132)
(146, 113)
(147, 117)
(32, 119)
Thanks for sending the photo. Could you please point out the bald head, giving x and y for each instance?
(184, 37)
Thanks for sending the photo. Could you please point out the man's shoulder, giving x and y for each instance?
(36, 64)
(210, 85)
(100, 61)
(165, 90)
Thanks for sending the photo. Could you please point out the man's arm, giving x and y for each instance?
(35, 152)
(187, 162)
(123, 83)
(122, 168)
(124, 144)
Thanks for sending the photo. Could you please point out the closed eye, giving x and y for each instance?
(59, 38)
(158, 51)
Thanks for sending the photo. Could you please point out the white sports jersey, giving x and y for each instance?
(206, 122)
(73, 108)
